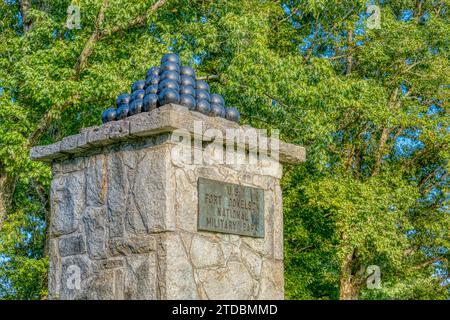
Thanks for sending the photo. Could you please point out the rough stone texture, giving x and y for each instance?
(124, 212)
(67, 202)
(95, 229)
(71, 245)
(165, 119)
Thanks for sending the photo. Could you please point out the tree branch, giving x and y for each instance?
(47, 119)
(313, 41)
(425, 179)
(350, 56)
(138, 21)
(25, 6)
(89, 46)
(97, 35)
(428, 262)
(210, 77)
(383, 138)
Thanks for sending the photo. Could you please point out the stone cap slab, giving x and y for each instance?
(165, 119)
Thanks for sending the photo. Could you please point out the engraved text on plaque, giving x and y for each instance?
(230, 208)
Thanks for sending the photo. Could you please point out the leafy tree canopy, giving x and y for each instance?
(369, 104)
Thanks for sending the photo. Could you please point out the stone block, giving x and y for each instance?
(67, 201)
(141, 277)
(72, 164)
(95, 229)
(206, 253)
(96, 180)
(98, 136)
(77, 272)
(46, 153)
(119, 129)
(72, 245)
(178, 274)
(132, 245)
(124, 212)
(272, 280)
(231, 282)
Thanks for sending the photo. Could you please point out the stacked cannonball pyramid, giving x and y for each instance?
(170, 83)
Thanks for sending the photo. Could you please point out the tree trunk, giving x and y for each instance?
(25, 6)
(348, 290)
(6, 190)
(350, 56)
(380, 152)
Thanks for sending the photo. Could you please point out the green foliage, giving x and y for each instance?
(370, 106)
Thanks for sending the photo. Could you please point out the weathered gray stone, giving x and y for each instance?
(278, 239)
(71, 165)
(96, 183)
(132, 245)
(67, 201)
(124, 213)
(185, 201)
(76, 274)
(118, 184)
(119, 129)
(99, 136)
(232, 282)
(102, 286)
(74, 144)
(165, 119)
(159, 120)
(69, 144)
(46, 153)
(82, 141)
(231, 251)
(72, 245)
(95, 228)
(252, 261)
(112, 263)
(206, 253)
(140, 278)
(272, 280)
(54, 274)
(178, 279)
(146, 205)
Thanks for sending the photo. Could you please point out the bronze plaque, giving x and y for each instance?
(230, 208)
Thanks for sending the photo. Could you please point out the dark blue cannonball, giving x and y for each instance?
(203, 95)
(203, 106)
(153, 89)
(202, 85)
(150, 102)
(168, 96)
(232, 114)
(153, 71)
(217, 110)
(138, 85)
(171, 57)
(187, 90)
(138, 94)
(188, 101)
(187, 71)
(169, 66)
(152, 80)
(123, 111)
(136, 106)
(187, 81)
(123, 98)
(217, 99)
(172, 75)
(109, 115)
(168, 84)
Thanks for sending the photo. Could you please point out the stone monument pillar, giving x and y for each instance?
(156, 206)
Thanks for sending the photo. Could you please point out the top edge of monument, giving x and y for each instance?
(167, 118)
